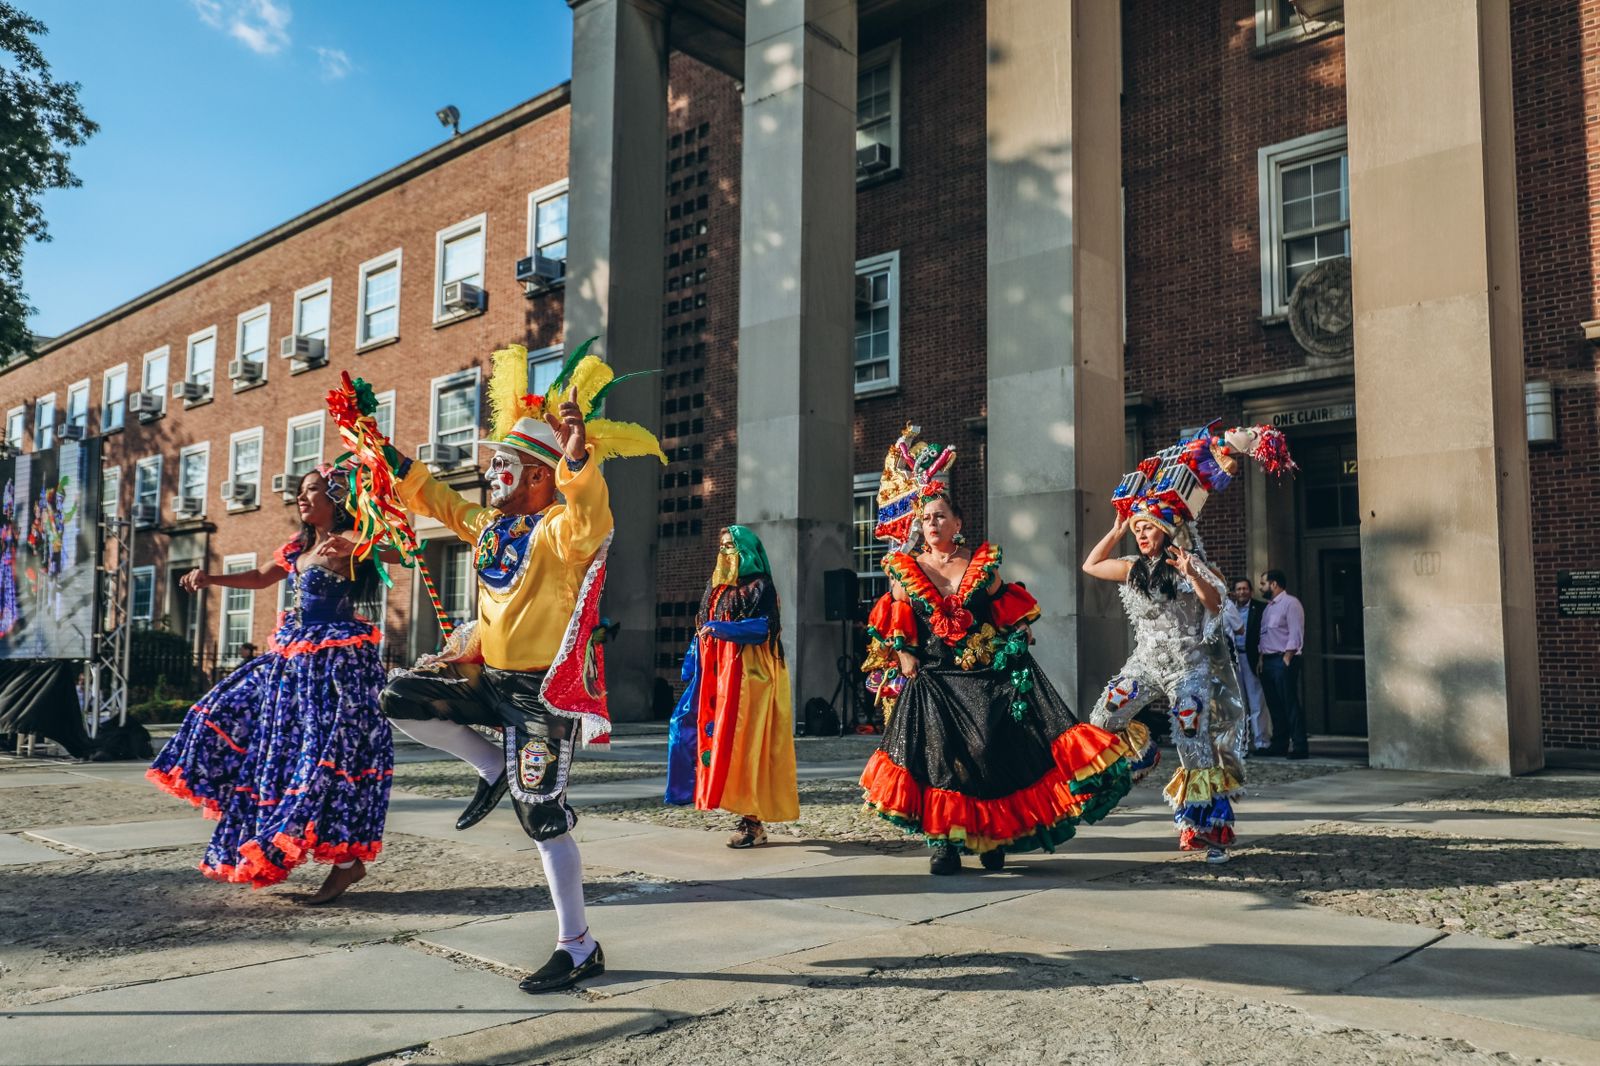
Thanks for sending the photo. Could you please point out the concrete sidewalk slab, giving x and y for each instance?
(1555, 989)
(128, 836)
(38, 779)
(1236, 938)
(431, 816)
(693, 855)
(333, 1008)
(14, 851)
(1563, 830)
(649, 939)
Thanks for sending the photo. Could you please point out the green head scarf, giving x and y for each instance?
(752, 556)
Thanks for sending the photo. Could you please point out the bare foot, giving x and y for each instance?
(337, 881)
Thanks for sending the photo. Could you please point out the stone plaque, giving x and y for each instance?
(1320, 314)
(1578, 593)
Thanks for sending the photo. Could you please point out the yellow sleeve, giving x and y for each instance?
(577, 530)
(419, 491)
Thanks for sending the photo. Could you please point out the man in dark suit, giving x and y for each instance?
(1243, 617)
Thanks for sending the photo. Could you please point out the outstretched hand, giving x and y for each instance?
(569, 428)
(194, 580)
(1182, 561)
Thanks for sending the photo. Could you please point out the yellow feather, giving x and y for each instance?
(622, 440)
(508, 384)
(588, 377)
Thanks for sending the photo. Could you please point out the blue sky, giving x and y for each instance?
(221, 118)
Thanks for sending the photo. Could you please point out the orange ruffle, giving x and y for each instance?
(1081, 752)
(303, 647)
(172, 781)
(891, 619)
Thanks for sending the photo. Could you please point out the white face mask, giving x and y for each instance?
(505, 474)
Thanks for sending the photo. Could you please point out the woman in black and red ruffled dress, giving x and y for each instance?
(979, 753)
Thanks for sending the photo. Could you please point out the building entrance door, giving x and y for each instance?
(1344, 674)
(1328, 527)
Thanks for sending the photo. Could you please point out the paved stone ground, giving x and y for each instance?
(451, 778)
(1553, 795)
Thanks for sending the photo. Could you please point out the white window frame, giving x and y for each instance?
(872, 265)
(867, 484)
(19, 440)
(1268, 30)
(385, 399)
(55, 415)
(317, 288)
(265, 312)
(310, 418)
(164, 353)
(204, 451)
(145, 463)
(478, 222)
(243, 564)
(540, 196)
(111, 492)
(234, 440)
(189, 370)
(372, 266)
(105, 398)
(555, 353)
(887, 54)
(1270, 163)
(78, 388)
(133, 596)
(472, 374)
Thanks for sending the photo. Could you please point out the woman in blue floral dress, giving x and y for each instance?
(289, 753)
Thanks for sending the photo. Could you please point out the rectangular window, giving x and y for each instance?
(147, 491)
(543, 366)
(17, 427)
(304, 446)
(868, 551)
(253, 337)
(1278, 21)
(877, 353)
(144, 596)
(193, 462)
(1304, 185)
(456, 583)
(878, 111)
(244, 458)
(111, 492)
(153, 379)
(384, 415)
(455, 409)
(44, 423)
(380, 298)
(459, 257)
(238, 609)
(113, 398)
(547, 222)
(201, 362)
(311, 311)
(78, 405)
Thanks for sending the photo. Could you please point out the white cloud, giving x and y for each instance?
(260, 25)
(335, 63)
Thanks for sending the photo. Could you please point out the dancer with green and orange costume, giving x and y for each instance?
(979, 755)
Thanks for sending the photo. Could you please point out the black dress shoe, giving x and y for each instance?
(486, 799)
(560, 972)
(993, 860)
(944, 860)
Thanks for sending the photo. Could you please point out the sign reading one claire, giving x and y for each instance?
(1311, 416)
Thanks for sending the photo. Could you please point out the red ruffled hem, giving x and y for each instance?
(172, 781)
(1081, 752)
(305, 647)
(1221, 836)
(258, 871)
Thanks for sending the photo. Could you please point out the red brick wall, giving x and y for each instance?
(1556, 81)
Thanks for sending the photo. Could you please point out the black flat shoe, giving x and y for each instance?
(993, 860)
(945, 860)
(559, 972)
(486, 799)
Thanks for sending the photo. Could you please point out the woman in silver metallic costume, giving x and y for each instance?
(1181, 648)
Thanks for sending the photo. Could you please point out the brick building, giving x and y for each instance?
(1053, 281)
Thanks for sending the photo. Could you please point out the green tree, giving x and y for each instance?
(39, 121)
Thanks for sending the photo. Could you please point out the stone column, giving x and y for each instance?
(616, 204)
(796, 311)
(1446, 539)
(1055, 426)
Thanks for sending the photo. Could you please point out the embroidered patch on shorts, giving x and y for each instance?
(1121, 692)
(532, 761)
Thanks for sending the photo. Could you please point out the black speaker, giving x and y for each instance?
(839, 594)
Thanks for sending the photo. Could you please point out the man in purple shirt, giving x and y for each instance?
(1283, 633)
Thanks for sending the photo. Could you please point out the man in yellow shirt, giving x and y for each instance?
(539, 564)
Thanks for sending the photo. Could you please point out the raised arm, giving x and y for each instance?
(264, 576)
(419, 491)
(1100, 564)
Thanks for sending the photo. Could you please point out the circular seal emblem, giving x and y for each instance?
(1320, 314)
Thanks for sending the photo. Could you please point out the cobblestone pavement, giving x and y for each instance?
(1011, 1009)
(1532, 891)
(1549, 796)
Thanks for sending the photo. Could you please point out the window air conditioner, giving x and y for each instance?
(873, 159)
(145, 515)
(304, 353)
(462, 296)
(186, 507)
(71, 431)
(149, 406)
(281, 486)
(190, 391)
(244, 371)
(238, 494)
(441, 455)
(541, 272)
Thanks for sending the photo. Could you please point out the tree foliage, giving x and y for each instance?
(39, 121)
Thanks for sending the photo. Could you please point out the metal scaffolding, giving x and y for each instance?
(108, 669)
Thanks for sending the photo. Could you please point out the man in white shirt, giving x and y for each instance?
(1242, 615)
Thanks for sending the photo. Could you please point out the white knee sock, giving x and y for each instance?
(563, 872)
(458, 740)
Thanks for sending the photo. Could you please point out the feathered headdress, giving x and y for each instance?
(1170, 488)
(913, 471)
(510, 400)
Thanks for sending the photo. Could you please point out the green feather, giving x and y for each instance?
(594, 405)
(569, 366)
